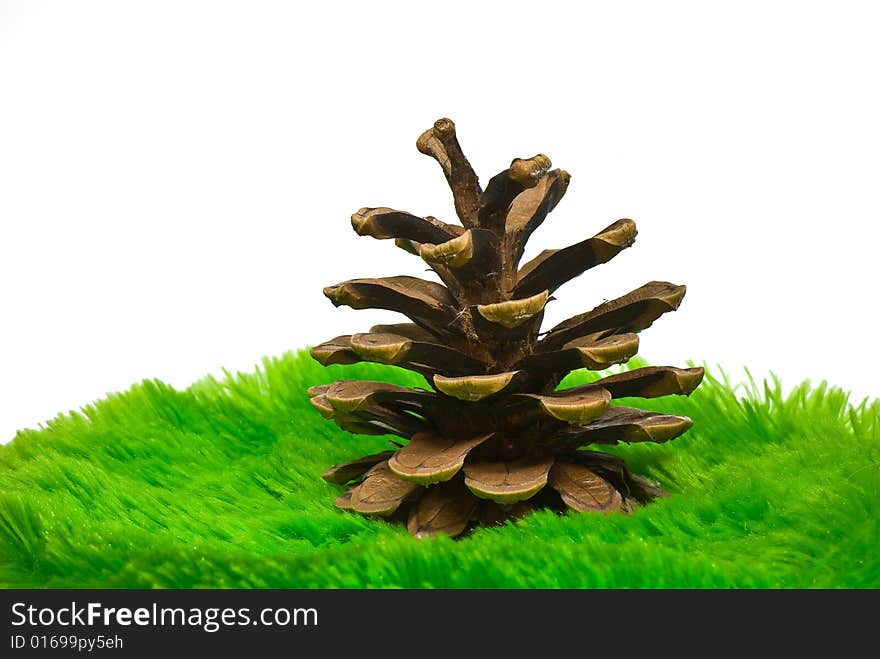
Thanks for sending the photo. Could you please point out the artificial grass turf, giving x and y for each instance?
(219, 486)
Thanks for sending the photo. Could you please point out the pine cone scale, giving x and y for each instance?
(431, 458)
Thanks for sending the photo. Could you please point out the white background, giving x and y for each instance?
(176, 178)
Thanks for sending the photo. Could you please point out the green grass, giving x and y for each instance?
(219, 486)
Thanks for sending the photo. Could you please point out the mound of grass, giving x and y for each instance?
(219, 486)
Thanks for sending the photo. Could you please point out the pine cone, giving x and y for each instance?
(492, 435)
